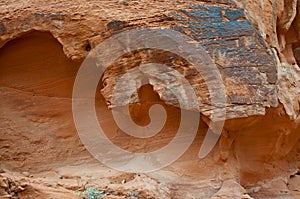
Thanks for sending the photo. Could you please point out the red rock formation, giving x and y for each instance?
(42, 47)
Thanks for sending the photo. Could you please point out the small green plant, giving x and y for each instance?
(93, 193)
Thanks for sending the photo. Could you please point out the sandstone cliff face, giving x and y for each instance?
(254, 44)
(278, 23)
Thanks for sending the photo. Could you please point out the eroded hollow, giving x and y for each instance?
(37, 131)
(37, 127)
(36, 63)
(36, 81)
(139, 112)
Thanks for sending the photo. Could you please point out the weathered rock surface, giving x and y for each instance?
(233, 43)
(254, 44)
(279, 24)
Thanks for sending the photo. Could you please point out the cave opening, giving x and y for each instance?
(36, 81)
(35, 63)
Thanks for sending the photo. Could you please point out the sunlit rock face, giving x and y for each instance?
(254, 45)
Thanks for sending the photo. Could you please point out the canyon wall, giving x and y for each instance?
(255, 45)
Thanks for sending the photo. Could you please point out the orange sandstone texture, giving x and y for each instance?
(255, 45)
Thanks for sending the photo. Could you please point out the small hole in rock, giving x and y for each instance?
(88, 47)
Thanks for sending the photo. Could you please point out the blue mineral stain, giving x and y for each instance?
(56, 16)
(208, 23)
(212, 14)
(233, 15)
(239, 54)
(39, 15)
(209, 30)
(220, 32)
(230, 29)
(235, 28)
